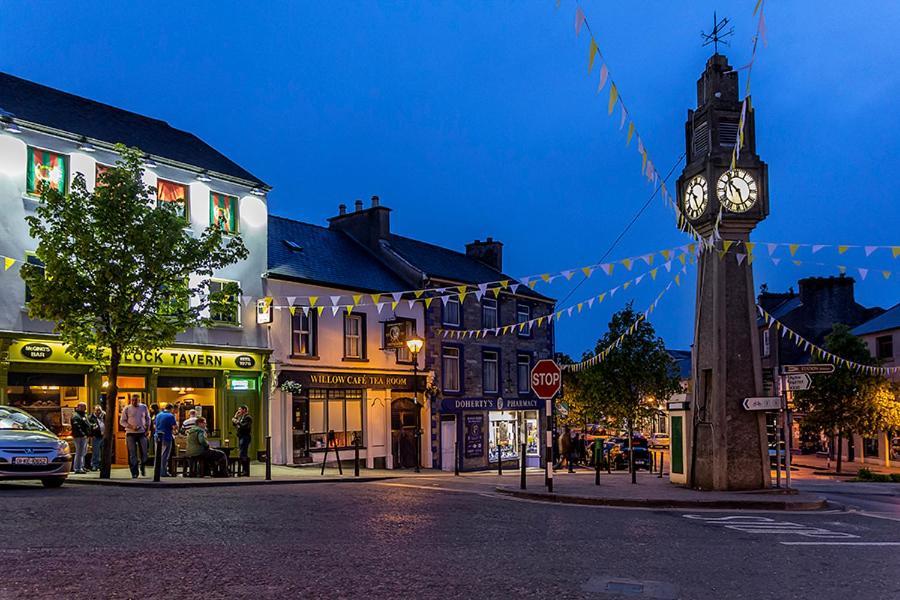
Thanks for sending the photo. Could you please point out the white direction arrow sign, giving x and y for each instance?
(798, 381)
(764, 403)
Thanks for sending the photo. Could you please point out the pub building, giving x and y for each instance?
(46, 137)
(479, 408)
(354, 370)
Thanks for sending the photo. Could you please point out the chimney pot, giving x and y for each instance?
(342, 209)
(375, 201)
(358, 205)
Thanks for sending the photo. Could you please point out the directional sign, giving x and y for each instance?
(798, 381)
(546, 379)
(764, 403)
(811, 369)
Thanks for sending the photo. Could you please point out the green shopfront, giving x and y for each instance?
(39, 376)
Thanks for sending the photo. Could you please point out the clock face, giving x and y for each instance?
(695, 198)
(737, 190)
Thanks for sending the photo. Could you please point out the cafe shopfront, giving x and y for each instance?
(483, 431)
(376, 408)
(40, 377)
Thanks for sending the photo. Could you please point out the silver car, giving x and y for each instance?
(28, 450)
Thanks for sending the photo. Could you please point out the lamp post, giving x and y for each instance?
(414, 345)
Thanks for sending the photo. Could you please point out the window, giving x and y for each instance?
(99, 173)
(884, 347)
(46, 168)
(303, 332)
(355, 337)
(523, 315)
(489, 313)
(223, 211)
(766, 343)
(451, 314)
(523, 373)
(409, 330)
(225, 302)
(176, 193)
(490, 371)
(450, 368)
(335, 410)
(32, 259)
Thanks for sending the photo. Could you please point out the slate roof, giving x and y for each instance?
(781, 310)
(50, 107)
(443, 263)
(682, 360)
(890, 319)
(328, 257)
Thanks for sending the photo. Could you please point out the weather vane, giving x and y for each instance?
(718, 33)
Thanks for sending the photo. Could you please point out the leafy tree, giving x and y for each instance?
(571, 395)
(627, 385)
(846, 400)
(117, 271)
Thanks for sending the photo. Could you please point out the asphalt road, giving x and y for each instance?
(423, 539)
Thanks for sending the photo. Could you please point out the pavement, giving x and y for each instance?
(428, 537)
(849, 469)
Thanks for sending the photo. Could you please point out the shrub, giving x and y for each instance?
(864, 474)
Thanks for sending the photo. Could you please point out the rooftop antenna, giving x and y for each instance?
(718, 33)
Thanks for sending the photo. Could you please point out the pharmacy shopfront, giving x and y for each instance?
(40, 377)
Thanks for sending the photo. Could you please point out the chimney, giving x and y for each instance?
(828, 300)
(488, 252)
(367, 226)
(342, 209)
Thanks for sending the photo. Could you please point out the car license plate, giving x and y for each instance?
(30, 460)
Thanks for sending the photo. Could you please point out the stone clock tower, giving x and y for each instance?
(729, 449)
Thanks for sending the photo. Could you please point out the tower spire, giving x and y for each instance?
(718, 33)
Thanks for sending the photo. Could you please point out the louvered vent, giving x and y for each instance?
(701, 140)
(728, 134)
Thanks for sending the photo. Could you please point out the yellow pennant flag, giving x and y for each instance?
(592, 53)
(394, 305)
(797, 262)
(678, 279)
(667, 254)
(546, 277)
(540, 321)
(504, 284)
(293, 309)
(496, 291)
(887, 274)
(356, 299)
(531, 284)
(692, 248)
(376, 298)
(626, 284)
(313, 300)
(320, 310)
(613, 96)
(8, 262)
(428, 302)
(721, 253)
(522, 326)
(793, 248)
(587, 271)
(601, 297)
(726, 244)
(418, 293)
(653, 273)
(842, 249)
(643, 161)
(349, 309)
(628, 141)
(580, 305)
(750, 246)
(462, 293)
(627, 263)
(681, 258)
(895, 251)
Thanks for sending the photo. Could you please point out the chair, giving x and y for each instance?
(196, 466)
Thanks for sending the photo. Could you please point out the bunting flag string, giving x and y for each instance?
(576, 308)
(614, 101)
(745, 104)
(601, 356)
(820, 353)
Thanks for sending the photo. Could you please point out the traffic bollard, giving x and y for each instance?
(157, 460)
(499, 461)
(355, 455)
(662, 462)
(596, 466)
(456, 458)
(522, 483)
(268, 458)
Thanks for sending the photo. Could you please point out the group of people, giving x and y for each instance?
(139, 426)
(574, 449)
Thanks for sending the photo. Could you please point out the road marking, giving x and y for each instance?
(765, 525)
(840, 543)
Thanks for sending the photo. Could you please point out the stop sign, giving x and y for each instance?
(546, 379)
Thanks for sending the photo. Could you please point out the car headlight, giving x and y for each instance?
(62, 448)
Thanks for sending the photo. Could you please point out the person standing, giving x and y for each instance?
(565, 447)
(135, 419)
(81, 431)
(243, 423)
(165, 426)
(97, 421)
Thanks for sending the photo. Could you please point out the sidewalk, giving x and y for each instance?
(616, 489)
(849, 469)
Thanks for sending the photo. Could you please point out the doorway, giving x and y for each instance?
(403, 433)
(300, 429)
(128, 386)
(448, 442)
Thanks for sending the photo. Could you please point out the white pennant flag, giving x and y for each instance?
(482, 287)
(290, 300)
(334, 310)
(607, 268)
(445, 299)
(568, 274)
(817, 247)
(863, 273)
(613, 291)
(624, 116)
(514, 287)
(379, 306)
(396, 296)
(870, 250)
(740, 256)
(590, 302)
(604, 75)
(668, 266)
(305, 311)
(478, 295)
(775, 261)
(570, 310)
(772, 248)
(411, 303)
(637, 280)
(335, 300)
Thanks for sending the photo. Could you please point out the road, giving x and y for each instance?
(424, 538)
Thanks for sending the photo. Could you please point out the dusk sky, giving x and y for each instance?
(481, 119)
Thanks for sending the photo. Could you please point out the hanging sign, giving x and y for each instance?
(798, 382)
(263, 311)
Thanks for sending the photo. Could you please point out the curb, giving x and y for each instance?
(224, 482)
(818, 504)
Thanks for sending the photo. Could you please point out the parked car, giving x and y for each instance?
(659, 440)
(618, 452)
(28, 450)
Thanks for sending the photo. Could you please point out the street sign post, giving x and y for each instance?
(816, 369)
(798, 381)
(763, 403)
(546, 381)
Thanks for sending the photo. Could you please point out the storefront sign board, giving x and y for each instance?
(474, 436)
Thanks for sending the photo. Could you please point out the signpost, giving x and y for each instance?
(546, 381)
(817, 369)
(794, 378)
(763, 403)
(798, 381)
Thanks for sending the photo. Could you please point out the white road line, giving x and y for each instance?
(840, 543)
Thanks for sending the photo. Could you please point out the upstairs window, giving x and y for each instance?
(223, 212)
(225, 310)
(451, 314)
(884, 347)
(46, 168)
(355, 337)
(174, 193)
(489, 313)
(523, 373)
(450, 368)
(490, 371)
(523, 315)
(99, 173)
(303, 332)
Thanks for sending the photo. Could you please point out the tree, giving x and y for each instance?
(117, 271)
(636, 373)
(846, 400)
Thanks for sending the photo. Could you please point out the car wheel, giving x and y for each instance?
(53, 482)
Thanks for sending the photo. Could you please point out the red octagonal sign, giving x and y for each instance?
(546, 379)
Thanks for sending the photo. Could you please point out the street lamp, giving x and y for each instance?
(414, 345)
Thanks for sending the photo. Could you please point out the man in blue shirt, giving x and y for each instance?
(166, 425)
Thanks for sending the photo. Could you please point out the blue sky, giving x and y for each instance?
(472, 119)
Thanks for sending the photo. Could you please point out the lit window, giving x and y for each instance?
(354, 336)
(409, 330)
(335, 410)
(523, 373)
(450, 368)
(225, 302)
(223, 211)
(489, 313)
(175, 193)
(46, 168)
(452, 313)
(490, 360)
(303, 332)
(100, 172)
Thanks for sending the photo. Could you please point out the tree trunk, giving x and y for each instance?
(109, 436)
(840, 444)
(631, 450)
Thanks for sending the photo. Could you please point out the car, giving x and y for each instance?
(659, 440)
(28, 450)
(618, 453)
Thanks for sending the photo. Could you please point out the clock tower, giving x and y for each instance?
(729, 449)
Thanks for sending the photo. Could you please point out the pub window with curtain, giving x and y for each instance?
(490, 367)
(450, 368)
(303, 332)
(489, 313)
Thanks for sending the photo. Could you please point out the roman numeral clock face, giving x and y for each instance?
(737, 190)
(695, 197)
